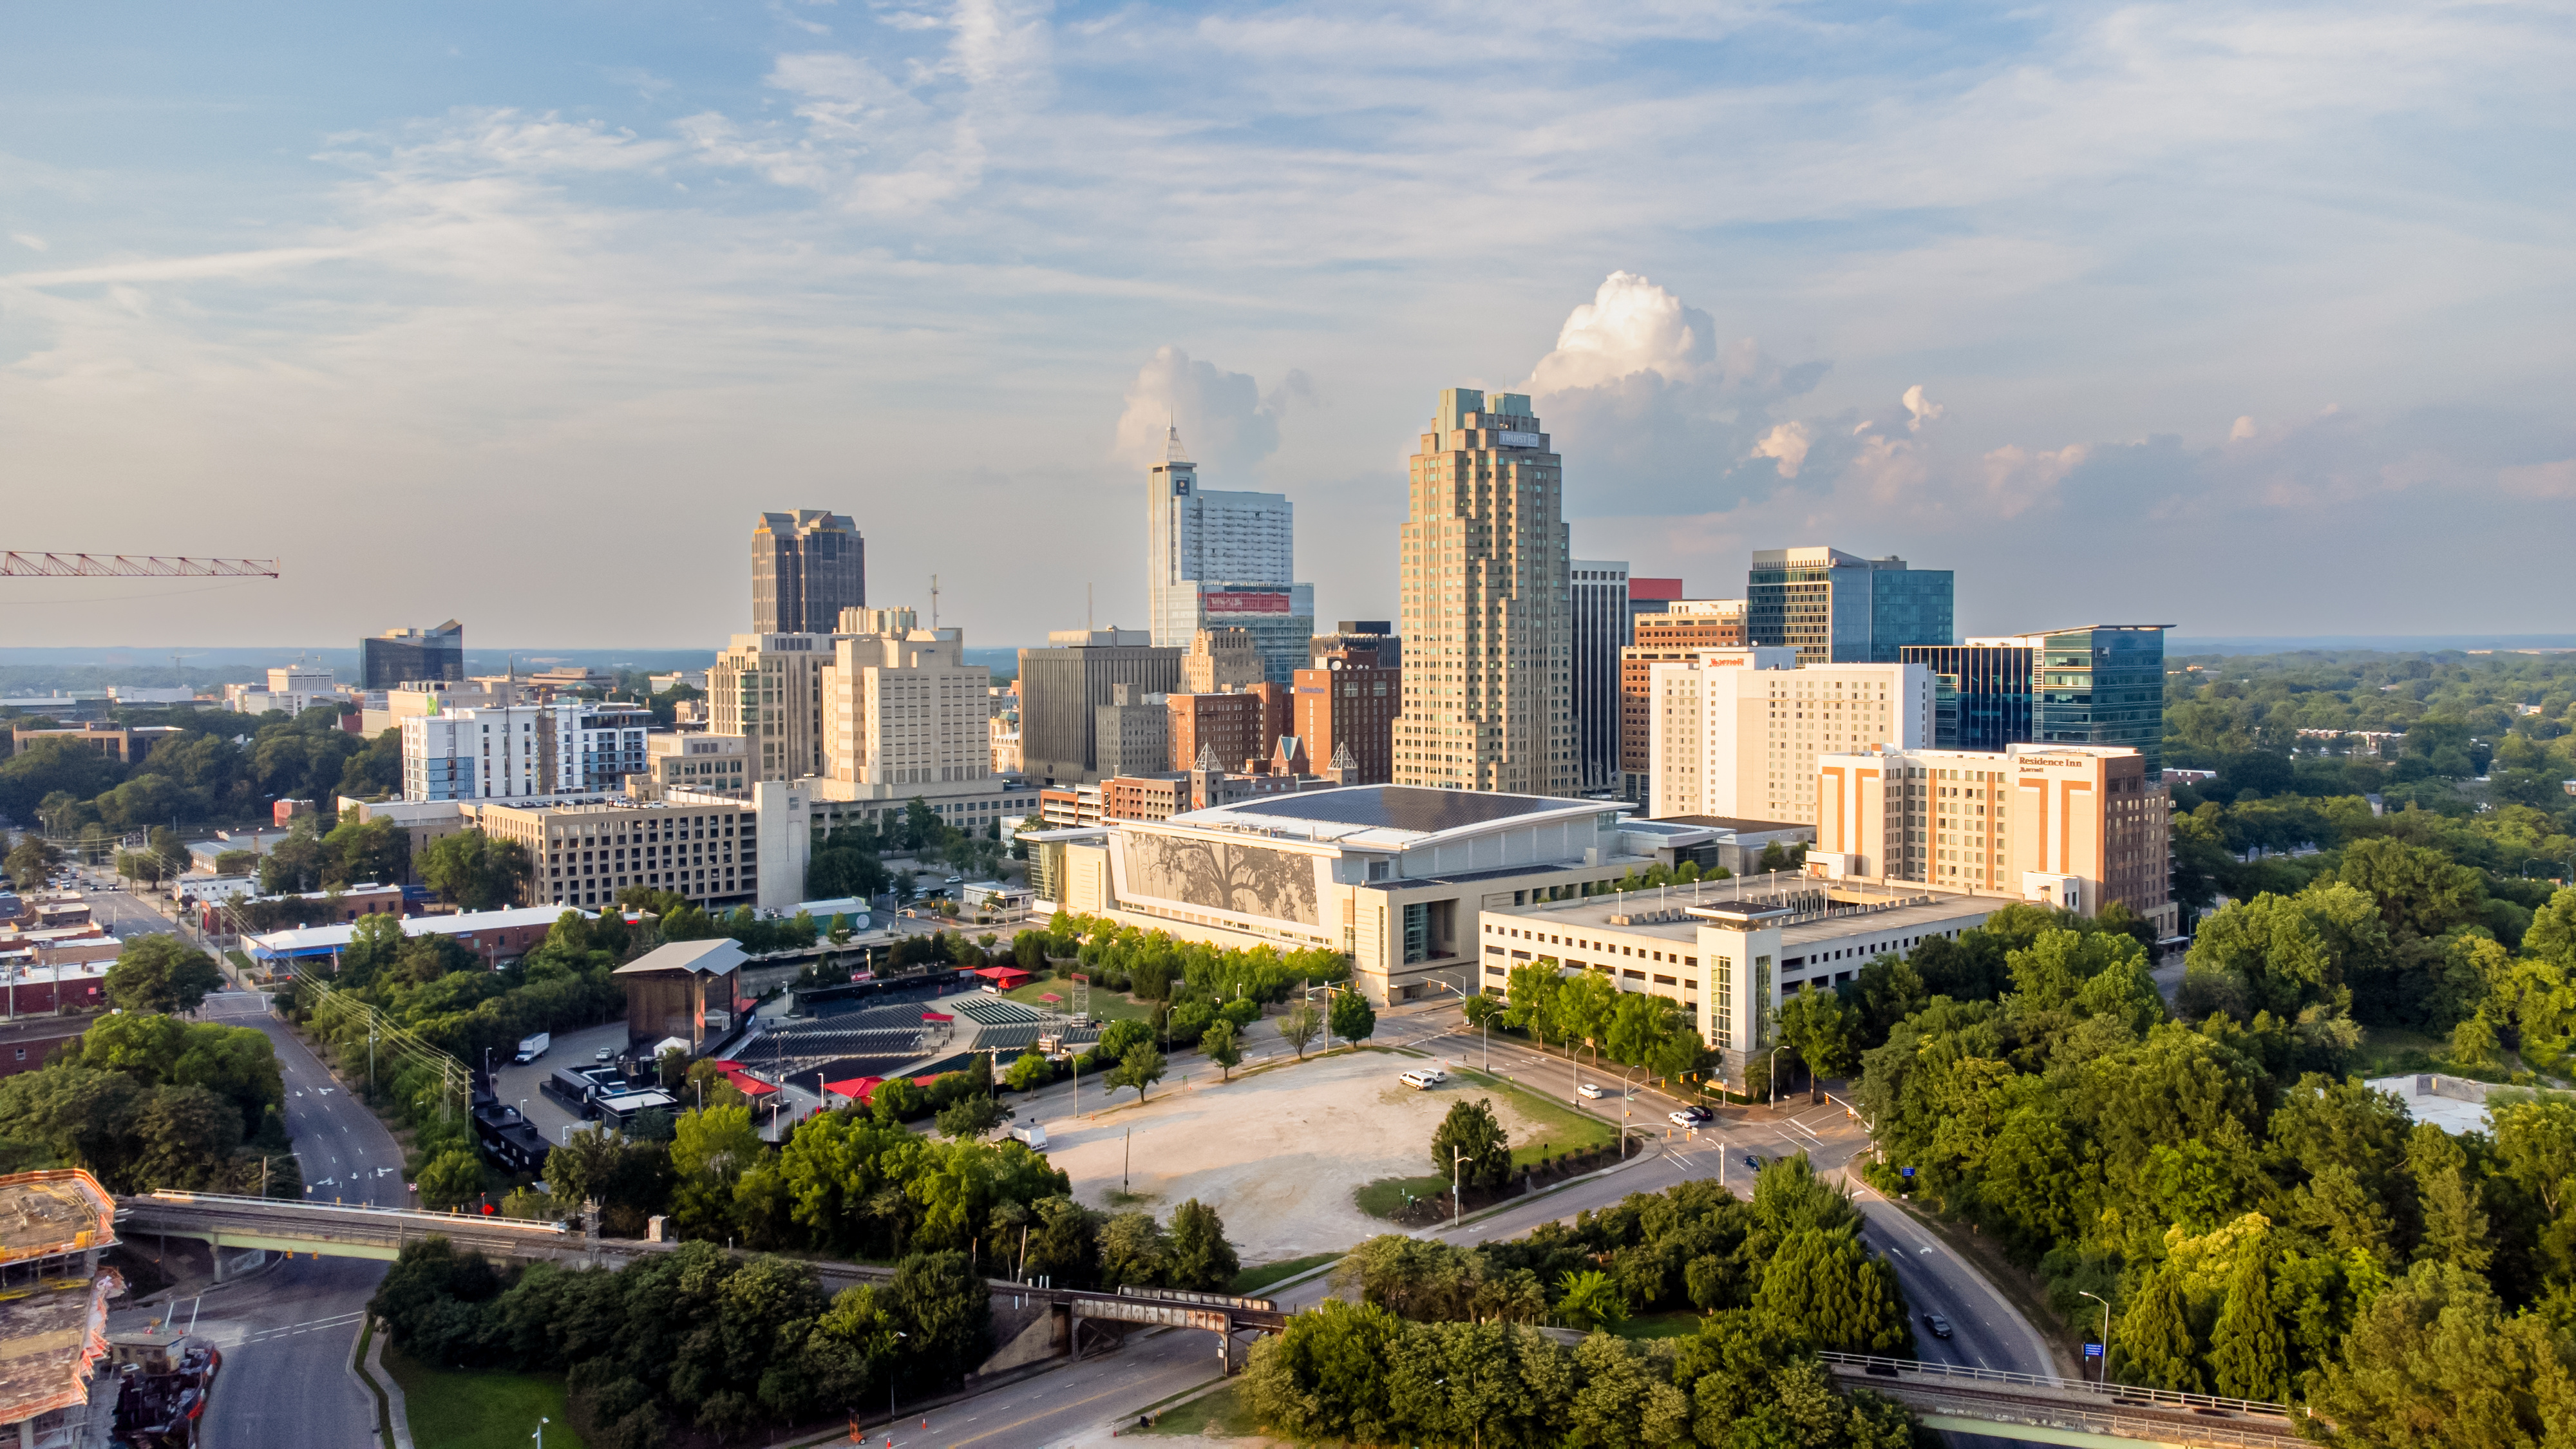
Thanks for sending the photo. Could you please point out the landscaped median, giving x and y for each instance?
(1554, 1142)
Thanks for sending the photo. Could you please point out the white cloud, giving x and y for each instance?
(31, 243)
(1630, 326)
(1786, 442)
(2243, 429)
(1919, 410)
(1225, 422)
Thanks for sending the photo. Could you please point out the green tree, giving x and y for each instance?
(31, 860)
(970, 1117)
(1531, 1000)
(1352, 1018)
(1220, 1045)
(1029, 1071)
(1824, 1290)
(2433, 1362)
(1591, 1299)
(1823, 1032)
(474, 872)
(1140, 1068)
(1585, 1005)
(161, 973)
(2249, 1355)
(2155, 1346)
(1472, 1129)
(1133, 1249)
(1300, 1026)
(1325, 1375)
(1199, 1257)
(451, 1179)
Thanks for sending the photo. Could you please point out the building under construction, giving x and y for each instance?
(53, 1311)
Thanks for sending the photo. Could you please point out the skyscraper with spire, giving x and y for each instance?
(1223, 560)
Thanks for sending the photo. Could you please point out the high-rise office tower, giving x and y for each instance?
(399, 656)
(1837, 608)
(1220, 560)
(2103, 684)
(1063, 686)
(1599, 614)
(1486, 626)
(1680, 631)
(806, 567)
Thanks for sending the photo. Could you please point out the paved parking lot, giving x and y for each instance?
(518, 1085)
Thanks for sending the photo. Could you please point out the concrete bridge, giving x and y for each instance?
(1075, 1321)
(2048, 1410)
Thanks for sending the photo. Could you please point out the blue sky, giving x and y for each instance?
(2248, 319)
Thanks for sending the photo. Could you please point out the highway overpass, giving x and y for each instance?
(1051, 1322)
(2066, 1411)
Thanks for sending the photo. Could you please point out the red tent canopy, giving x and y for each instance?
(1005, 977)
(855, 1088)
(937, 1016)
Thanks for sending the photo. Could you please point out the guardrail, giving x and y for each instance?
(2133, 1393)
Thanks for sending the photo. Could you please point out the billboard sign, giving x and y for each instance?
(1244, 603)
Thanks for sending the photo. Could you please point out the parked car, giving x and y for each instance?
(1692, 1116)
(1423, 1079)
(605, 1055)
(1940, 1326)
(1592, 1091)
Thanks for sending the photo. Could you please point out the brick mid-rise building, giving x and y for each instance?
(1351, 707)
(1678, 633)
(1241, 726)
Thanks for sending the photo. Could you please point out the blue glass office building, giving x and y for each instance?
(1838, 608)
(2099, 685)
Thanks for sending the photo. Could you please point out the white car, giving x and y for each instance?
(1423, 1079)
(1592, 1091)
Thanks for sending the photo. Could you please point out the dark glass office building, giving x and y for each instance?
(1838, 608)
(2100, 685)
(806, 567)
(398, 656)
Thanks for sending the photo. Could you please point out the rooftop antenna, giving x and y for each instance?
(934, 603)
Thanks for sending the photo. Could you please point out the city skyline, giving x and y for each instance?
(1979, 291)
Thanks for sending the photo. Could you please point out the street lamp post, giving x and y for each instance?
(2106, 1331)
(1775, 1073)
(540, 1435)
(1457, 1155)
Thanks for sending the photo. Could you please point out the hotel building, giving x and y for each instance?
(1735, 733)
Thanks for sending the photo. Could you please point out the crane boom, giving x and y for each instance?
(131, 566)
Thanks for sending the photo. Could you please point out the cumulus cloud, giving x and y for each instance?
(1919, 409)
(2243, 430)
(1653, 415)
(1787, 443)
(1228, 425)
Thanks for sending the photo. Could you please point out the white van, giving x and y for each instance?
(1423, 1079)
(1031, 1133)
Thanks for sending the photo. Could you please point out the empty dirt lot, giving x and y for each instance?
(1278, 1154)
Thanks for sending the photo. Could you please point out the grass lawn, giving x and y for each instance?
(1680, 1323)
(1384, 1198)
(478, 1408)
(1225, 1414)
(1253, 1280)
(1563, 1128)
(1105, 1005)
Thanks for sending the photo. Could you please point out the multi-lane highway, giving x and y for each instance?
(287, 1330)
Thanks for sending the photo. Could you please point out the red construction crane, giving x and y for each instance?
(124, 566)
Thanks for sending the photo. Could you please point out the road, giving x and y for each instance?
(286, 1331)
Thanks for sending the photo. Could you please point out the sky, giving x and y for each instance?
(2251, 319)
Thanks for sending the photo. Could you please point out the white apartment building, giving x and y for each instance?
(905, 716)
(511, 752)
(768, 688)
(1735, 733)
(294, 689)
(504, 753)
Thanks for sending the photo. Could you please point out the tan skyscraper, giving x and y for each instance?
(1487, 629)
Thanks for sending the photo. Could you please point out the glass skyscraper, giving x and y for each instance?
(1223, 559)
(1838, 608)
(2103, 684)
